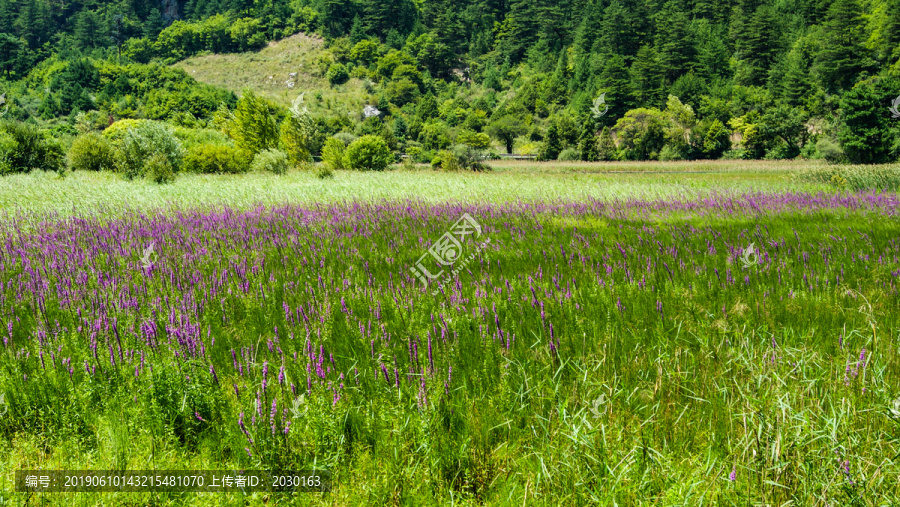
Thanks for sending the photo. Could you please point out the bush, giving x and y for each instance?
(159, 168)
(346, 137)
(569, 155)
(445, 160)
(460, 157)
(829, 150)
(368, 153)
(333, 153)
(478, 140)
(337, 74)
(215, 159)
(146, 140)
(323, 171)
(27, 148)
(7, 145)
(115, 133)
(91, 152)
(273, 161)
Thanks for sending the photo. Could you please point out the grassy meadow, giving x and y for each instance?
(673, 334)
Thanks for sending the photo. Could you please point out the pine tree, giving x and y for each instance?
(358, 30)
(336, 16)
(617, 87)
(622, 30)
(796, 84)
(552, 146)
(674, 41)
(587, 141)
(382, 15)
(647, 78)
(87, 30)
(154, 24)
(606, 147)
(843, 57)
(761, 43)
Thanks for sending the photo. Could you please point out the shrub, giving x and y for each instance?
(337, 74)
(273, 161)
(215, 159)
(470, 158)
(323, 171)
(478, 140)
(115, 133)
(160, 169)
(7, 145)
(569, 155)
(333, 153)
(368, 153)
(91, 152)
(346, 137)
(445, 160)
(192, 137)
(146, 140)
(830, 150)
(27, 148)
(434, 136)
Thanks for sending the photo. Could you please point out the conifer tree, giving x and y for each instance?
(842, 56)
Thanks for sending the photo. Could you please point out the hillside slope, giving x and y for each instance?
(268, 73)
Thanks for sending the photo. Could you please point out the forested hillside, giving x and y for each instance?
(576, 79)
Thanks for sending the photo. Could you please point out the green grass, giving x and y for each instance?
(509, 181)
(672, 364)
(267, 71)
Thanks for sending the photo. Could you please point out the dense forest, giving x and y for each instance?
(572, 80)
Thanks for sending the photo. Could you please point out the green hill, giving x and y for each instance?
(268, 72)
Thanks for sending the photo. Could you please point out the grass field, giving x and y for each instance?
(509, 181)
(605, 338)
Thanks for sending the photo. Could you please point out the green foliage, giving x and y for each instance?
(215, 159)
(333, 153)
(91, 152)
(435, 136)
(505, 129)
(868, 130)
(146, 140)
(159, 168)
(569, 155)
(368, 153)
(25, 148)
(477, 140)
(323, 171)
(830, 150)
(253, 125)
(642, 133)
(272, 160)
(337, 74)
(552, 145)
